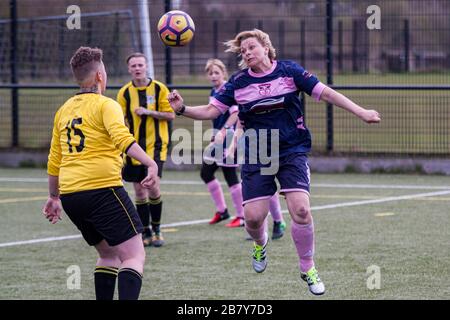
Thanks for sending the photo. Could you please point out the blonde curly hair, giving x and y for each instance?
(219, 64)
(263, 38)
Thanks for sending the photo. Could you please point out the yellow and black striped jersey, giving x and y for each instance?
(89, 135)
(152, 134)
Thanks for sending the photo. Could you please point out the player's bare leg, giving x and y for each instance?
(302, 231)
(132, 256)
(255, 213)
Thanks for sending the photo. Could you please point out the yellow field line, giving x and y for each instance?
(14, 200)
(384, 214)
(22, 190)
(202, 194)
(184, 193)
(433, 199)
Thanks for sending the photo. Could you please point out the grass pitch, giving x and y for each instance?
(398, 223)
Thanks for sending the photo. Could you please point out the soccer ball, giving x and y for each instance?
(176, 28)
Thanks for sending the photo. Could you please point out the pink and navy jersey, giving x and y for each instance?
(271, 100)
(220, 121)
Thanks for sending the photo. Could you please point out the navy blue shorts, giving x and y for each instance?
(293, 175)
(103, 214)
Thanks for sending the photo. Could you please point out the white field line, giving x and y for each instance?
(314, 185)
(20, 243)
(388, 199)
(193, 222)
(77, 236)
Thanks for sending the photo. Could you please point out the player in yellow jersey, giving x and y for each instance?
(147, 114)
(84, 175)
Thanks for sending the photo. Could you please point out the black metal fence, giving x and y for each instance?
(400, 69)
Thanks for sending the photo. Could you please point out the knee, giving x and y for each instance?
(302, 214)
(108, 254)
(140, 256)
(137, 256)
(133, 249)
(154, 193)
(141, 193)
(252, 221)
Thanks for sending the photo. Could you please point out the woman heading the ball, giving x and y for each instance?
(224, 126)
(267, 93)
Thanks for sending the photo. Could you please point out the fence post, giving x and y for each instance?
(216, 38)
(406, 39)
(192, 58)
(13, 66)
(61, 64)
(168, 52)
(260, 25)
(238, 29)
(355, 46)
(340, 46)
(302, 43)
(329, 73)
(89, 33)
(32, 46)
(115, 42)
(303, 63)
(168, 70)
(281, 38)
(3, 75)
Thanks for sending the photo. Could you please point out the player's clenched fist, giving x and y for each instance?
(175, 100)
(371, 116)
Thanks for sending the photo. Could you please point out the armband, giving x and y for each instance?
(181, 111)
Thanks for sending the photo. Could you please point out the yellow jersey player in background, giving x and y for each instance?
(147, 114)
(84, 175)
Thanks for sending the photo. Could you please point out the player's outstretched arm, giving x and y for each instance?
(207, 112)
(338, 99)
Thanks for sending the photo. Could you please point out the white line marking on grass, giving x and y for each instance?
(77, 236)
(19, 243)
(187, 223)
(376, 186)
(184, 223)
(388, 199)
(314, 185)
(332, 185)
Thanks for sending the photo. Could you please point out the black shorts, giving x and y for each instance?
(207, 173)
(132, 173)
(101, 214)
